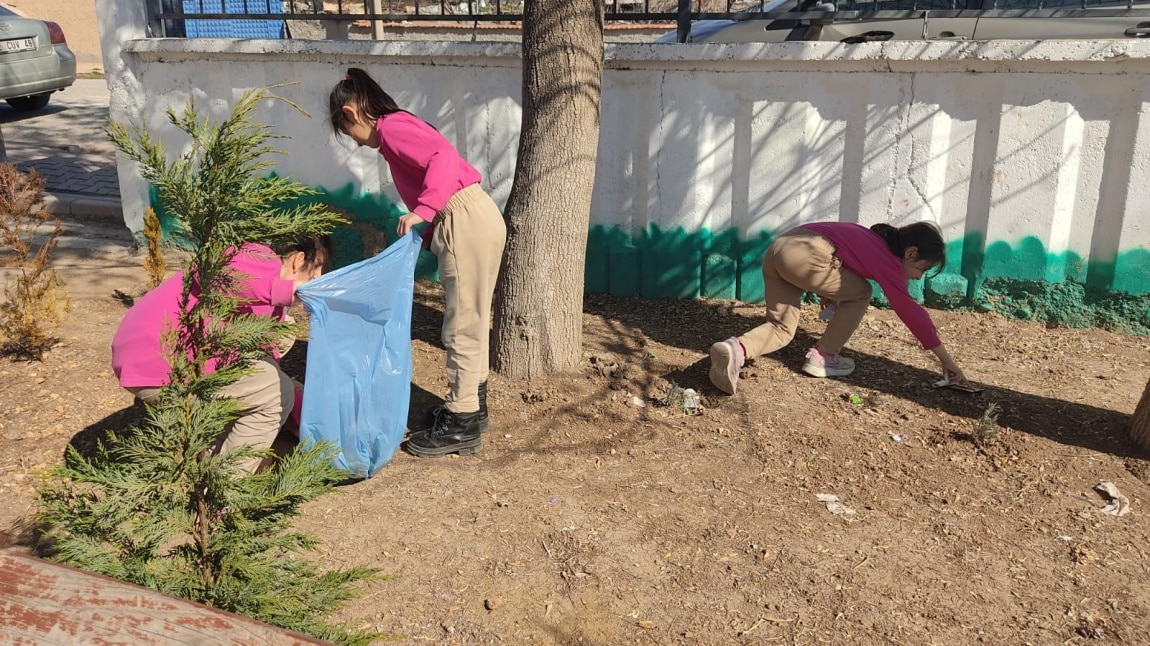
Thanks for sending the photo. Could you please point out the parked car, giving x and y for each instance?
(853, 21)
(34, 60)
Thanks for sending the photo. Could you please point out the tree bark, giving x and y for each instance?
(1140, 422)
(539, 302)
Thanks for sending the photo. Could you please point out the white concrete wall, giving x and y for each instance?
(1010, 140)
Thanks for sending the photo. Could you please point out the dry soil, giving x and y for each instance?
(602, 512)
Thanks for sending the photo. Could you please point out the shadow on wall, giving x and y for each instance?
(884, 149)
(1005, 279)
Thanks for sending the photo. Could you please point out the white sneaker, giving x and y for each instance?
(827, 365)
(726, 359)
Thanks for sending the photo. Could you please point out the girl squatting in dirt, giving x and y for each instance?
(267, 282)
(834, 260)
(466, 233)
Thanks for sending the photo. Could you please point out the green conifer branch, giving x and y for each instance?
(158, 506)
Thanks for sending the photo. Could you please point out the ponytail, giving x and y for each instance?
(924, 236)
(361, 90)
(889, 235)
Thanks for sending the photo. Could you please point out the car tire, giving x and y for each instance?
(29, 103)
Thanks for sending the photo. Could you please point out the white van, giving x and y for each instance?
(853, 21)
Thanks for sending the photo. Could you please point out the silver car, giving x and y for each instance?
(34, 60)
(855, 21)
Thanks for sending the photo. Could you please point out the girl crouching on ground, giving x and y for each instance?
(266, 287)
(834, 260)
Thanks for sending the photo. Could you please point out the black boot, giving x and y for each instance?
(449, 433)
(482, 420)
(484, 423)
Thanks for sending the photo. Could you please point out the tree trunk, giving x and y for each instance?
(1140, 423)
(539, 302)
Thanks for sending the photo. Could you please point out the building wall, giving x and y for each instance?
(1033, 157)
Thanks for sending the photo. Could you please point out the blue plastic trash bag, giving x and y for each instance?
(358, 383)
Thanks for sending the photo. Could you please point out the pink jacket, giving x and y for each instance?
(138, 356)
(425, 166)
(865, 253)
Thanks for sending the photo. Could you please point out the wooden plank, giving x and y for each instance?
(45, 604)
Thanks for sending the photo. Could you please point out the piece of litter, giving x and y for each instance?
(855, 399)
(1119, 503)
(638, 402)
(690, 399)
(833, 504)
(1062, 538)
(899, 437)
(945, 382)
(827, 312)
(839, 509)
(1090, 633)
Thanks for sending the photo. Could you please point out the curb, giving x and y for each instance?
(59, 204)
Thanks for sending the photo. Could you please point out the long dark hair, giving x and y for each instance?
(924, 236)
(310, 247)
(361, 90)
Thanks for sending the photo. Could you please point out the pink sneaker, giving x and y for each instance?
(827, 365)
(726, 359)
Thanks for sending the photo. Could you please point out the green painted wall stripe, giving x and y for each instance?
(1021, 280)
(374, 220)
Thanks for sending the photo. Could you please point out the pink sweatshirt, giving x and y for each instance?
(425, 166)
(865, 253)
(138, 357)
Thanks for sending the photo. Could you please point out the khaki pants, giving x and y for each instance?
(468, 241)
(803, 261)
(266, 398)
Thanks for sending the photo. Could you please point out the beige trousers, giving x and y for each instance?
(803, 261)
(266, 398)
(468, 241)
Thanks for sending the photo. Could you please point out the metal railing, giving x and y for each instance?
(166, 14)
(438, 10)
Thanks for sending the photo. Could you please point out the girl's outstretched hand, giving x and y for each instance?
(406, 222)
(953, 372)
(949, 367)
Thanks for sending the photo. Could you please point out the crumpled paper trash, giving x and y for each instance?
(833, 504)
(1119, 503)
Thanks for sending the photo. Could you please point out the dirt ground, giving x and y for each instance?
(588, 519)
(596, 514)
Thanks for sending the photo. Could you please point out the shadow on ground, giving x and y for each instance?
(694, 325)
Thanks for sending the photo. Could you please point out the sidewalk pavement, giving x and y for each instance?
(77, 183)
(83, 192)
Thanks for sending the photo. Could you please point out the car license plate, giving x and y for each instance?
(17, 45)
